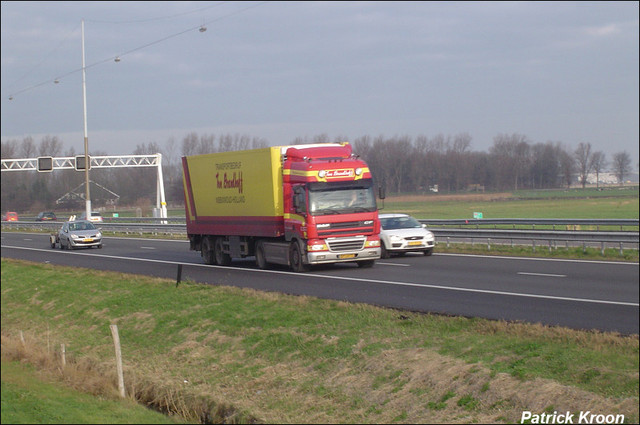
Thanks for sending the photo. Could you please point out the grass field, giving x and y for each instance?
(249, 356)
(587, 204)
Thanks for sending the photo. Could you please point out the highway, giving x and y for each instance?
(576, 294)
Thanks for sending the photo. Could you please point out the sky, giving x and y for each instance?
(552, 71)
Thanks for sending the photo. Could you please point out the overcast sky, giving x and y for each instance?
(552, 71)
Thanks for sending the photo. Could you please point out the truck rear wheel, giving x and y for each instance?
(295, 258)
(261, 260)
(207, 251)
(222, 259)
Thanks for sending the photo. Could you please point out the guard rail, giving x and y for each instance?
(622, 239)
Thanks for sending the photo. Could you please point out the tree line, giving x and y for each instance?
(400, 164)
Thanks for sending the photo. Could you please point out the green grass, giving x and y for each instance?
(289, 359)
(29, 398)
(598, 208)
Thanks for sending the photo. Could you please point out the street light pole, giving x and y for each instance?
(86, 137)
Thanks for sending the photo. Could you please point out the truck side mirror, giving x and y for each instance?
(381, 192)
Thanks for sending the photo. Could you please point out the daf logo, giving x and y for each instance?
(323, 225)
(368, 222)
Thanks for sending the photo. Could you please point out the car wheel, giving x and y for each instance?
(428, 252)
(383, 251)
(100, 246)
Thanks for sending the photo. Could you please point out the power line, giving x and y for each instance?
(200, 28)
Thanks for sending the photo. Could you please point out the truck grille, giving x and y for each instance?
(339, 245)
(328, 230)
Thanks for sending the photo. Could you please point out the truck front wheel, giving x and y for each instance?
(295, 258)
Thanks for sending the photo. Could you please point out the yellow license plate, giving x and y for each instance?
(343, 256)
(415, 243)
(87, 240)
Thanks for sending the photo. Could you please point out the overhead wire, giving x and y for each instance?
(117, 57)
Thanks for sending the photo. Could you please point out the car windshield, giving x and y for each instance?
(389, 223)
(81, 226)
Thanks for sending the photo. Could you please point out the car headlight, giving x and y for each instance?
(98, 235)
(74, 236)
(395, 238)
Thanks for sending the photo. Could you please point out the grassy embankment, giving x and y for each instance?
(245, 356)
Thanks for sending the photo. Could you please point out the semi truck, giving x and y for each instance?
(295, 206)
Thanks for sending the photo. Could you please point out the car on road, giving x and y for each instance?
(77, 234)
(10, 216)
(401, 233)
(96, 217)
(46, 216)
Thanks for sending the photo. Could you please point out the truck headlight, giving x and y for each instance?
(373, 243)
(317, 245)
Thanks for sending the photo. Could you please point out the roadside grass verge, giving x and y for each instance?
(29, 396)
(240, 355)
(540, 251)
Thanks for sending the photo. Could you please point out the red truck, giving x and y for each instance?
(290, 205)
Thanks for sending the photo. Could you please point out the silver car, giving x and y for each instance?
(76, 234)
(402, 233)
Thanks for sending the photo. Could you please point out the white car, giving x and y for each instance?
(402, 233)
(95, 217)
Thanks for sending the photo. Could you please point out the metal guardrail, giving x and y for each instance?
(622, 240)
(553, 222)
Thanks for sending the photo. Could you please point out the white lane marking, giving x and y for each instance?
(542, 274)
(321, 276)
(392, 264)
(147, 247)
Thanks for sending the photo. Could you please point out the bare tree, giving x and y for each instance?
(567, 166)
(598, 162)
(512, 155)
(621, 165)
(28, 148)
(583, 160)
(9, 149)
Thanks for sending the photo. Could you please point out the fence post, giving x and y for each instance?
(116, 343)
(63, 355)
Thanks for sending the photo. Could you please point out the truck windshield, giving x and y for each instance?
(341, 198)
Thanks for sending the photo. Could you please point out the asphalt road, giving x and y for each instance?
(576, 294)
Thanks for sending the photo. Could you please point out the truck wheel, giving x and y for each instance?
(207, 251)
(295, 259)
(366, 264)
(222, 259)
(261, 261)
